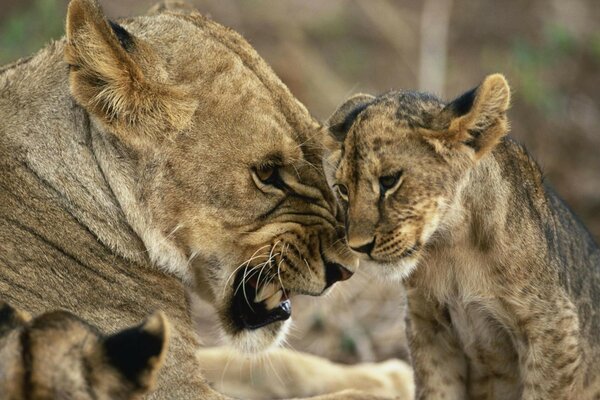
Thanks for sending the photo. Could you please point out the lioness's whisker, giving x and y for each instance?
(252, 257)
(244, 264)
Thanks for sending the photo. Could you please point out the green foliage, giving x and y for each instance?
(532, 61)
(26, 31)
(348, 344)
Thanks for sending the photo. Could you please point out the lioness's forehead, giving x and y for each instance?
(242, 107)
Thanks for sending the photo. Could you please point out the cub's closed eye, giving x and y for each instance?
(387, 182)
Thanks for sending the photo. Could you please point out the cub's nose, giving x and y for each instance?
(365, 249)
(335, 272)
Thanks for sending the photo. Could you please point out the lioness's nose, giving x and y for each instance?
(335, 272)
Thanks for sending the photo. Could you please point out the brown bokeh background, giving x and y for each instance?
(326, 50)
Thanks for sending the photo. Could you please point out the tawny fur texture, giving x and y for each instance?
(503, 281)
(59, 356)
(154, 155)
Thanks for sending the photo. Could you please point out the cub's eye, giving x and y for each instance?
(387, 182)
(342, 191)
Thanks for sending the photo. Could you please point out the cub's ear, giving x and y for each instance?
(11, 318)
(478, 117)
(342, 119)
(176, 6)
(138, 353)
(111, 73)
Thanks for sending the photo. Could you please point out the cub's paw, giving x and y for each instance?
(392, 378)
(352, 394)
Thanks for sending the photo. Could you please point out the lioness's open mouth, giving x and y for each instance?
(257, 303)
(259, 299)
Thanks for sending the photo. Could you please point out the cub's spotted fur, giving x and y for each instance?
(503, 281)
(59, 356)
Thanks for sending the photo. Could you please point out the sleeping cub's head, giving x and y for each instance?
(59, 356)
(399, 161)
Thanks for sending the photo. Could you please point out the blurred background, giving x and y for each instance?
(326, 50)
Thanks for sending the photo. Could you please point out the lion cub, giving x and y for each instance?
(59, 356)
(503, 281)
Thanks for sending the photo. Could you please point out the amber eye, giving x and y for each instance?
(269, 175)
(342, 191)
(387, 182)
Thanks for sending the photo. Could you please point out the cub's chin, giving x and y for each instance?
(390, 270)
(255, 316)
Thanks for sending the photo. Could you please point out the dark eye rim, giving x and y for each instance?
(387, 182)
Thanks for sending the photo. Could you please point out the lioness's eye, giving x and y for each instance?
(389, 181)
(342, 190)
(265, 173)
(268, 174)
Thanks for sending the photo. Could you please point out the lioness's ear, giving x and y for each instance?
(138, 352)
(108, 78)
(478, 117)
(11, 318)
(342, 119)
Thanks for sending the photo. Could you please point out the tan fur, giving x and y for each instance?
(58, 356)
(503, 282)
(129, 159)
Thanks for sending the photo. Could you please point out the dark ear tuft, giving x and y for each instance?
(11, 318)
(462, 104)
(342, 119)
(137, 353)
(476, 119)
(124, 37)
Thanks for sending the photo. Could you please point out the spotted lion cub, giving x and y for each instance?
(503, 281)
(59, 356)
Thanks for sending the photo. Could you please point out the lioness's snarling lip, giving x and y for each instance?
(257, 304)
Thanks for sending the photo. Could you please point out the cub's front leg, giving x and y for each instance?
(549, 347)
(439, 364)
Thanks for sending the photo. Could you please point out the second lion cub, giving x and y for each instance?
(503, 282)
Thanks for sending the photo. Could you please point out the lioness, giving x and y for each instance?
(503, 281)
(159, 153)
(59, 356)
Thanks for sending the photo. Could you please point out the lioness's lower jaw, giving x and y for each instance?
(259, 340)
(257, 314)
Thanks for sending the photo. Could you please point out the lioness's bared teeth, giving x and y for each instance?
(265, 292)
(274, 300)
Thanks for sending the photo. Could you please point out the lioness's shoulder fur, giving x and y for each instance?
(58, 355)
(503, 280)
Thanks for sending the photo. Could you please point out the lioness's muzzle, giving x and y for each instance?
(254, 307)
